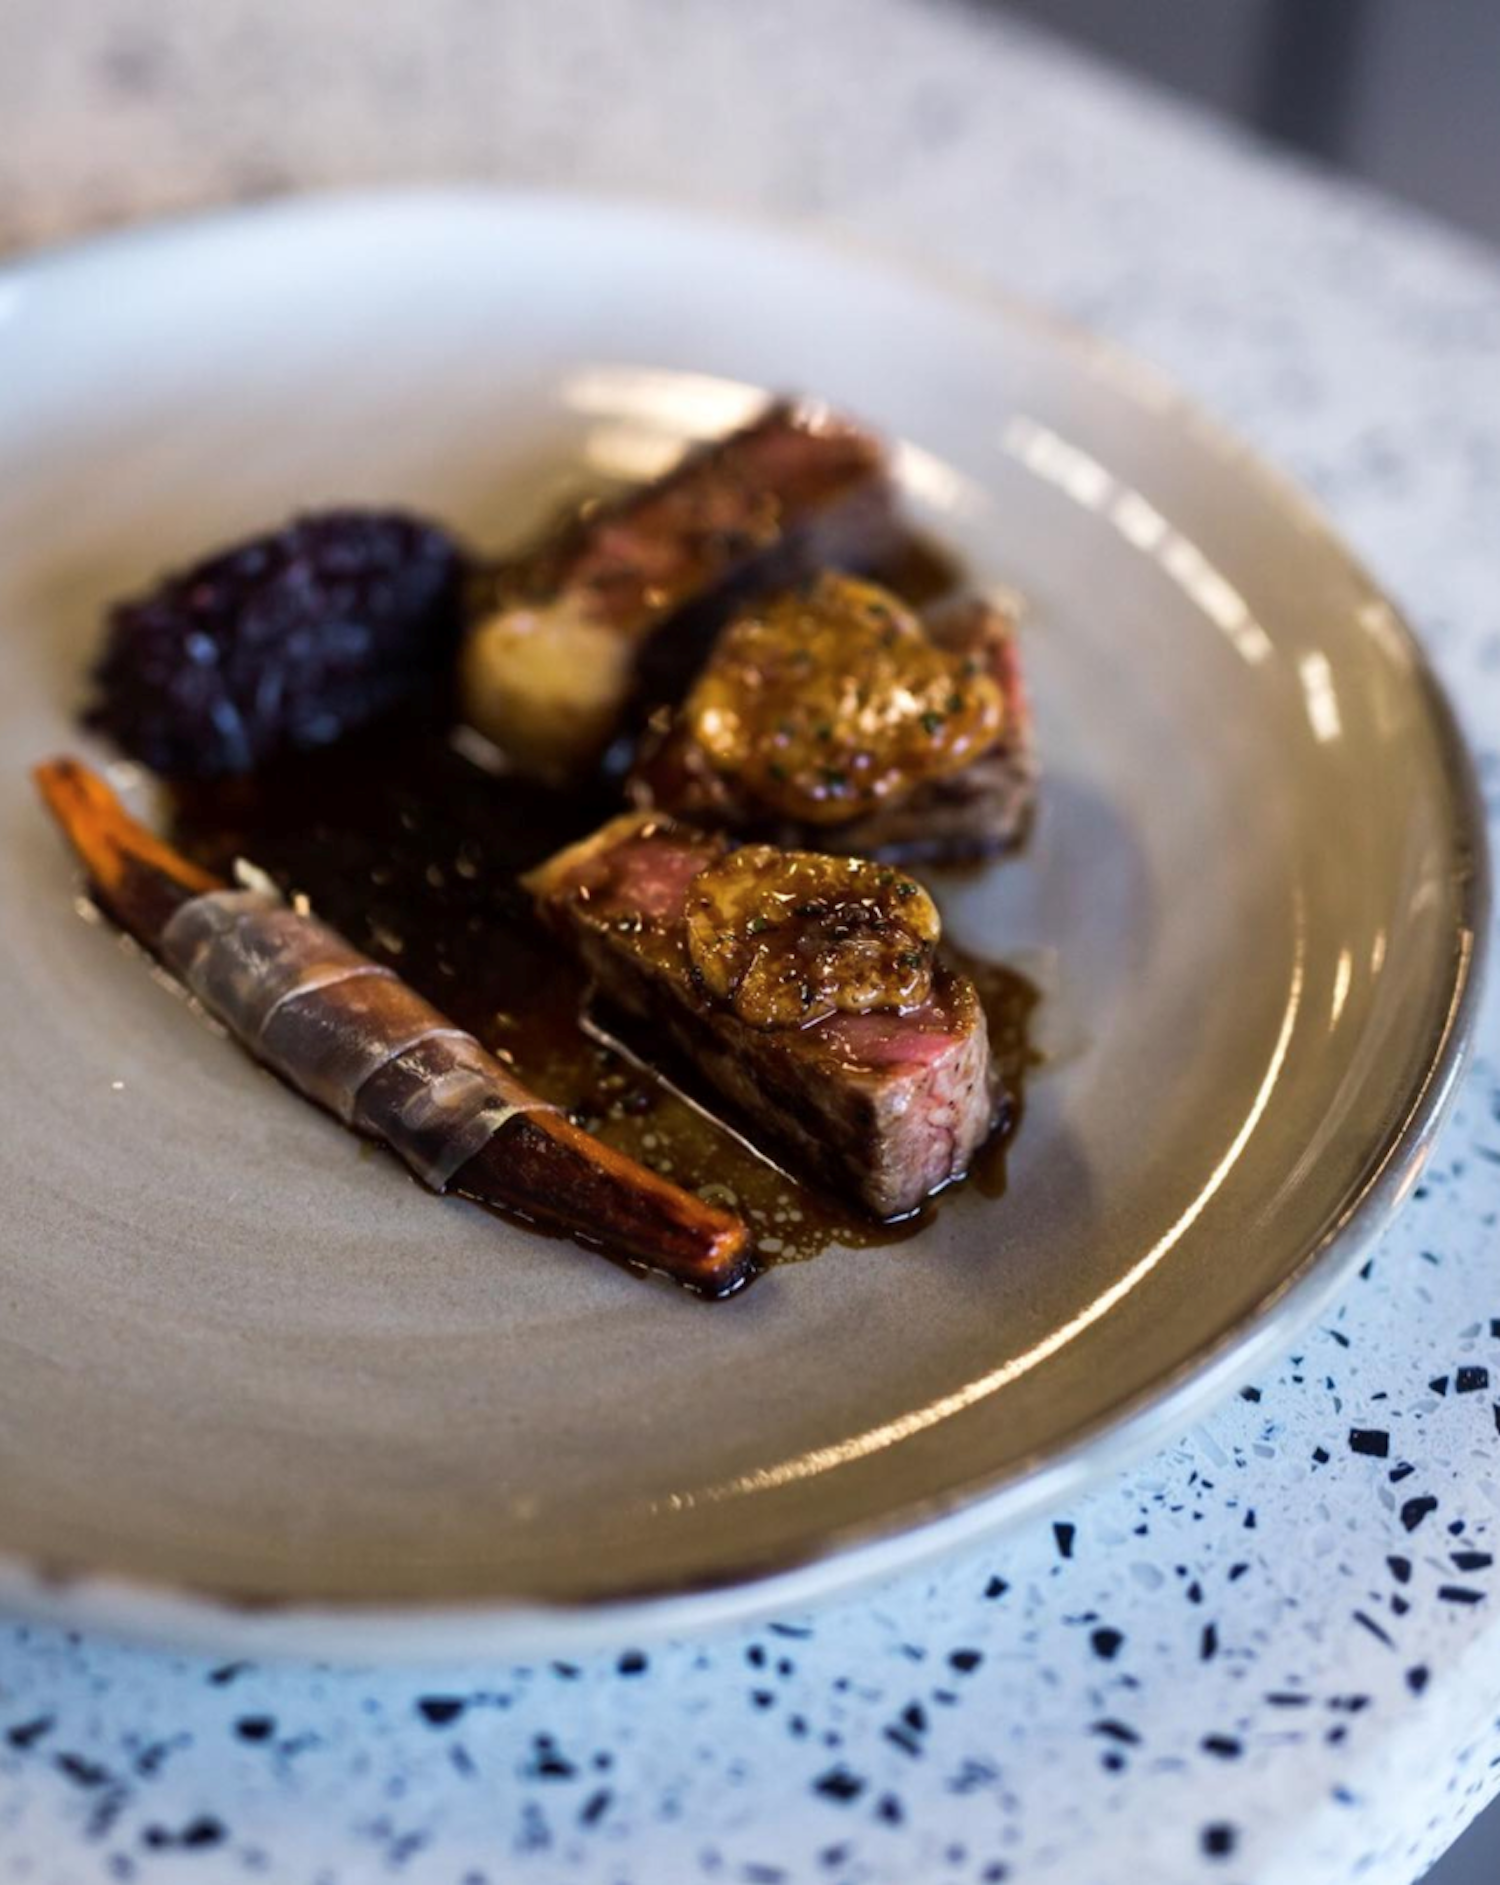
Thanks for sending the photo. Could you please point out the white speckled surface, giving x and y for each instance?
(1270, 1656)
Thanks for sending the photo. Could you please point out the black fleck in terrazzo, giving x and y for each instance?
(1266, 1656)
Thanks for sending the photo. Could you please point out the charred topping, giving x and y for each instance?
(786, 938)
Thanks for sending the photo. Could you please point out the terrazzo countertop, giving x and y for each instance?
(1271, 1656)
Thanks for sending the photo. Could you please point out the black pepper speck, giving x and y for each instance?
(839, 1784)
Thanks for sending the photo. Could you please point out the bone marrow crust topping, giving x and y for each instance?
(786, 938)
(828, 702)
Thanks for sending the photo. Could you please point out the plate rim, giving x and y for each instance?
(861, 1551)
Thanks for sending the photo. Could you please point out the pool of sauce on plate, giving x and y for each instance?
(413, 851)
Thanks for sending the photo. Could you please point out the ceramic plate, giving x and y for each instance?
(258, 1389)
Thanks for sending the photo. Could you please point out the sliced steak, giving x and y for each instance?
(884, 1107)
(816, 722)
(560, 636)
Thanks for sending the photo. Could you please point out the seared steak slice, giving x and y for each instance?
(837, 717)
(551, 659)
(885, 1107)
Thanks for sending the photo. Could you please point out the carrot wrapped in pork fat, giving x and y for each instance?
(351, 1035)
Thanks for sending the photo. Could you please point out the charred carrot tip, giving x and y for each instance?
(107, 839)
(62, 784)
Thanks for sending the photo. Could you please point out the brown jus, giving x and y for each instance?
(413, 852)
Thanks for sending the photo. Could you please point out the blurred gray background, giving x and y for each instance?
(113, 110)
(1403, 93)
